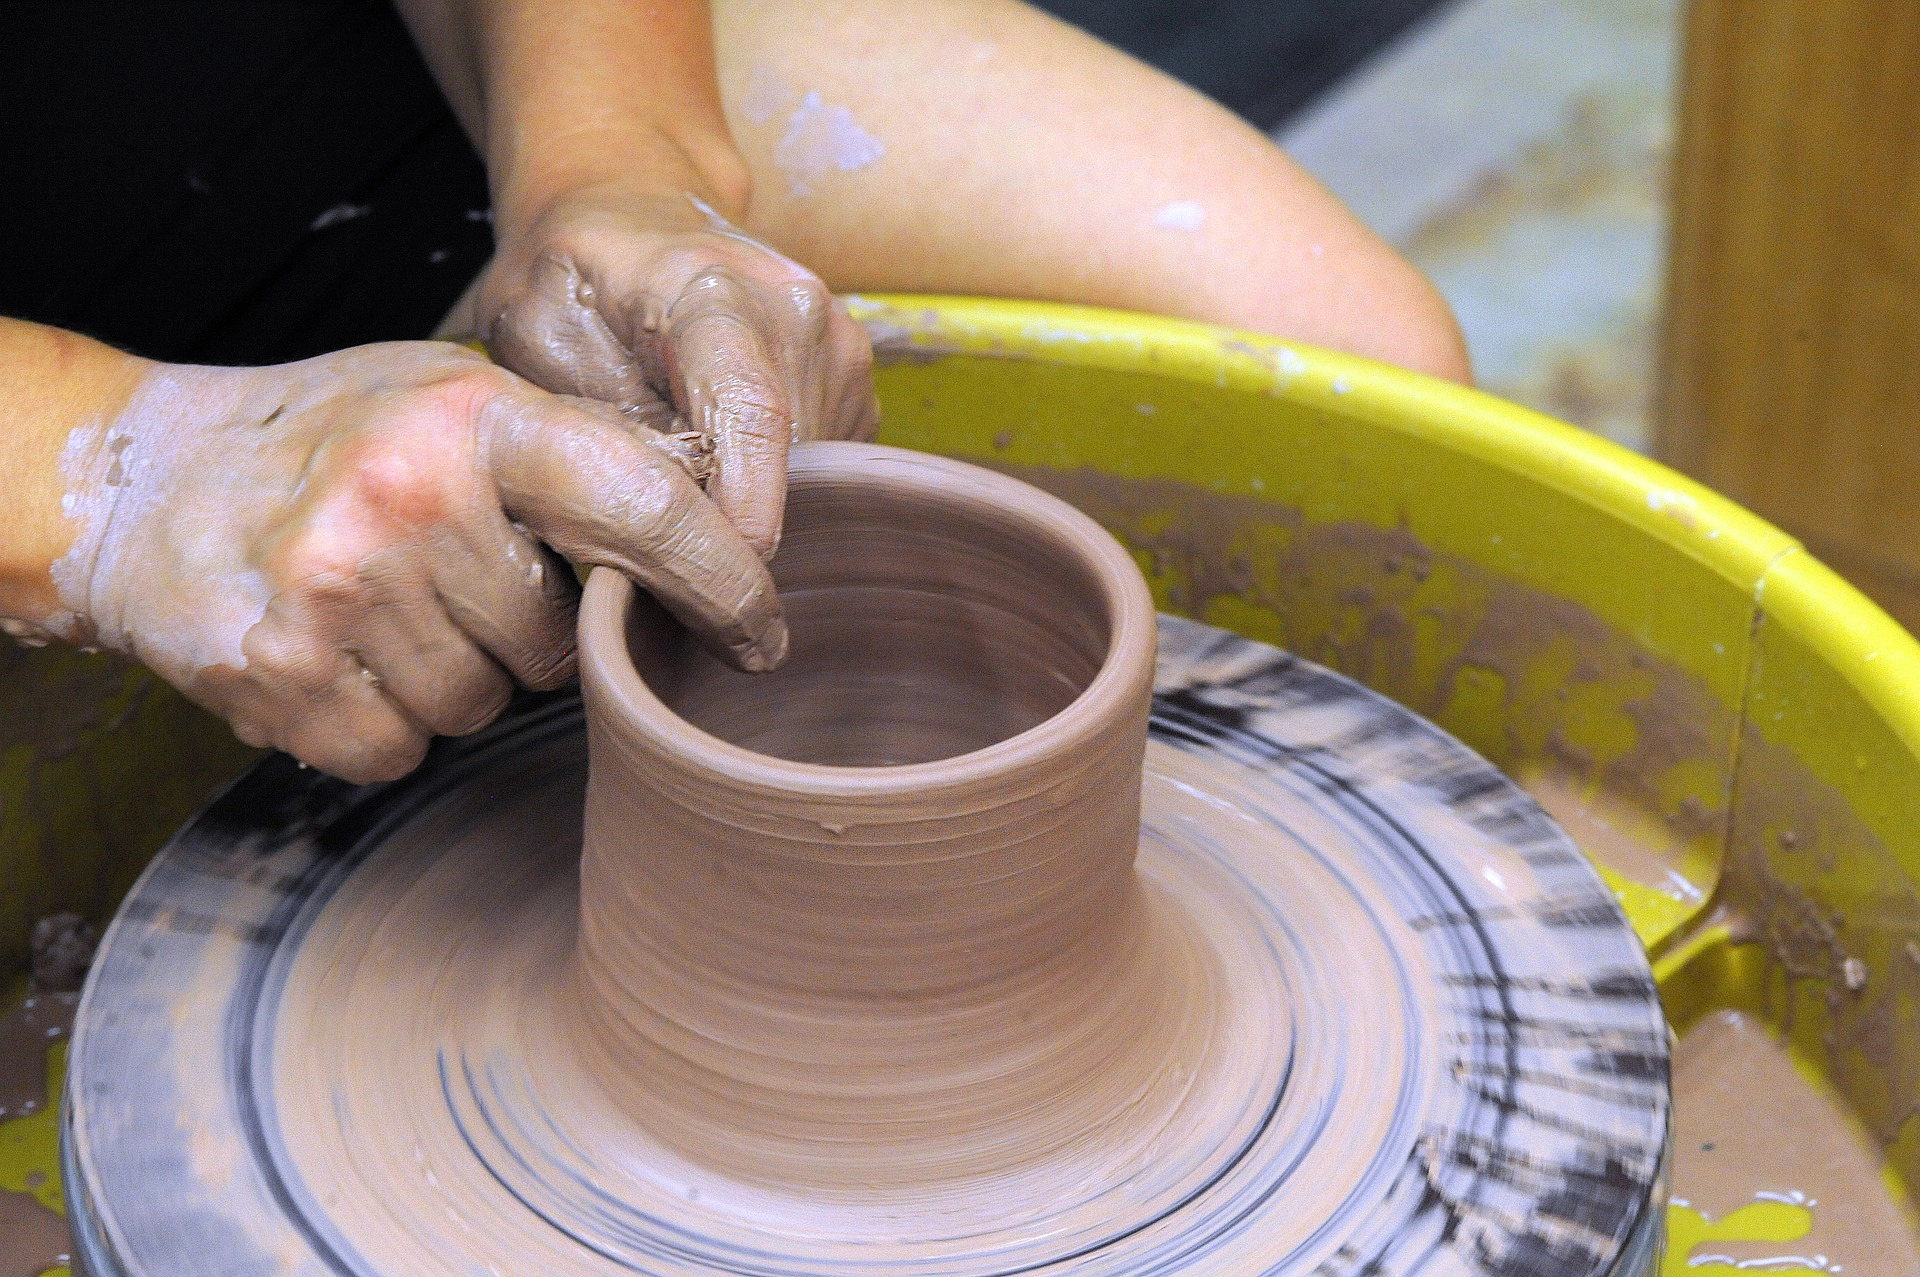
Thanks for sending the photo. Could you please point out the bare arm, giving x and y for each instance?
(56, 381)
(561, 94)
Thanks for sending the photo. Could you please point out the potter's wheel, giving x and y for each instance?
(1518, 1128)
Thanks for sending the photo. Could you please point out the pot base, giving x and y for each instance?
(1399, 1027)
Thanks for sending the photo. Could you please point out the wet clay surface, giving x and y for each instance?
(33, 1239)
(1619, 835)
(888, 990)
(853, 958)
(1069, 1000)
(1039, 1113)
(1196, 1063)
(1839, 918)
(1760, 1152)
(25, 1036)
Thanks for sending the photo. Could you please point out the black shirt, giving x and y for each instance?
(230, 181)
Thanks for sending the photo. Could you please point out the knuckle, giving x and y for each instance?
(554, 272)
(468, 708)
(447, 407)
(290, 660)
(755, 406)
(652, 510)
(321, 565)
(370, 754)
(692, 265)
(710, 290)
(250, 727)
(253, 735)
(329, 564)
(418, 472)
(519, 327)
(392, 481)
(646, 514)
(852, 349)
(809, 299)
(571, 248)
(549, 666)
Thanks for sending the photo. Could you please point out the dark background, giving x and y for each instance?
(1264, 58)
(252, 181)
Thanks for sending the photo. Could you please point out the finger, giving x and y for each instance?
(555, 335)
(852, 411)
(728, 387)
(800, 339)
(516, 599)
(411, 650)
(300, 694)
(599, 494)
(828, 361)
(360, 736)
(505, 593)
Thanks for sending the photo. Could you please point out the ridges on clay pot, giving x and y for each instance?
(872, 919)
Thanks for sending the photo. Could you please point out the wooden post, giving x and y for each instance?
(1791, 372)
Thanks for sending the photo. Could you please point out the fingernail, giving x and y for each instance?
(769, 648)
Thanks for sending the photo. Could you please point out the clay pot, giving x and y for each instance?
(878, 900)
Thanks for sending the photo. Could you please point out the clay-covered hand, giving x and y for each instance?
(343, 556)
(655, 304)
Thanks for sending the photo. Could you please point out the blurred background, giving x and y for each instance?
(1692, 226)
(1516, 150)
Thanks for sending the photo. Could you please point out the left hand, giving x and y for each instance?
(655, 304)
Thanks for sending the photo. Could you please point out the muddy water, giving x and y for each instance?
(1618, 834)
(33, 1239)
(1760, 1152)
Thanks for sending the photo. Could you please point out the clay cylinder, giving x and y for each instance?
(832, 902)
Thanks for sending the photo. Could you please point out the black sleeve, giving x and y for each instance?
(230, 181)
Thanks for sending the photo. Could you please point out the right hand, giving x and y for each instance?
(657, 305)
(340, 555)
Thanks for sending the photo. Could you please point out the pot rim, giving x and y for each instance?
(1114, 695)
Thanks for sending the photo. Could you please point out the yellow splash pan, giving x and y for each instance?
(1730, 730)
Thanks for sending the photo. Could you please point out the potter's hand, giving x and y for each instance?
(654, 304)
(339, 555)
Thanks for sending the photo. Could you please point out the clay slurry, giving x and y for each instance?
(937, 982)
(1807, 1178)
(33, 1238)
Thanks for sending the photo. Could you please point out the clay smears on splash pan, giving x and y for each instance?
(1360, 1008)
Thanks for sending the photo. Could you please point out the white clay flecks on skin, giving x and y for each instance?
(334, 554)
(821, 140)
(122, 477)
(1181, 215)
(766, 96)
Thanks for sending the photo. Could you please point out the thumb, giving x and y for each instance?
(599, 494)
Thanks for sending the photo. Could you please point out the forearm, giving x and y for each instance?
(561, 94)
(57, 382)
